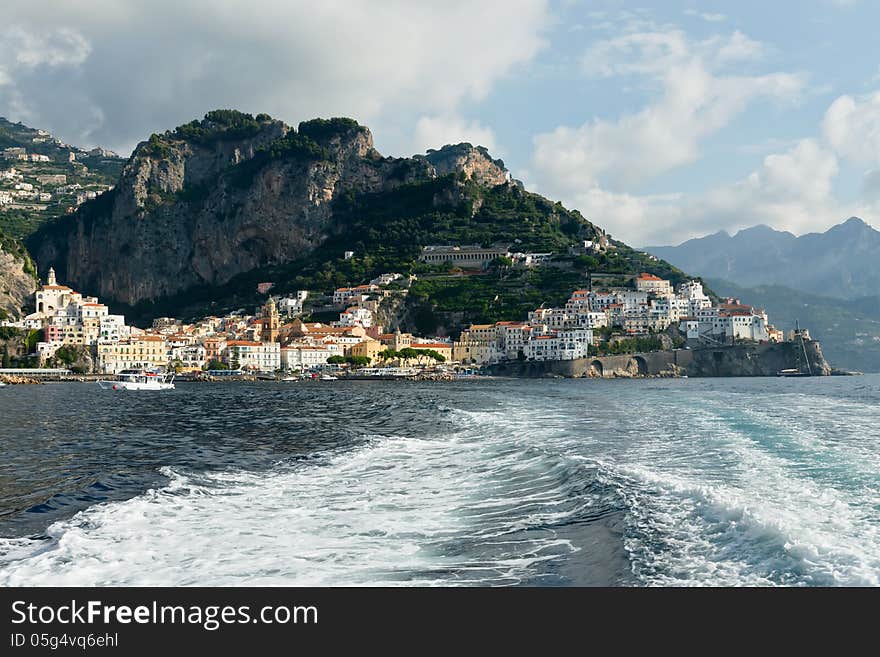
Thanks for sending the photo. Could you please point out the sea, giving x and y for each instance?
(483, 482)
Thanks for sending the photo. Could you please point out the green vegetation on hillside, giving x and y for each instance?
(323, 129)
(217, 125)
(91, 171)
(292, 145)
(387, 231)
(223, 124)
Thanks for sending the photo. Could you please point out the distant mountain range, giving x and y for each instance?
(842, 262)
(826, 281)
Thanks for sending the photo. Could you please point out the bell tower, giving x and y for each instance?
(50, 279)
(271, 322)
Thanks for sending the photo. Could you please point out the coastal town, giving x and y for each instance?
(39, 184)
(76, 330)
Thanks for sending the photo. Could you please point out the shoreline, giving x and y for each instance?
(729, 361)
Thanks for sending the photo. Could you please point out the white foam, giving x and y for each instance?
(717, 490)
(764, 520)
(380, 514)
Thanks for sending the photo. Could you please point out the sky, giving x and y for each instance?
(658, 120)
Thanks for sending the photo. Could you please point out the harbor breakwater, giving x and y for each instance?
(721, 361)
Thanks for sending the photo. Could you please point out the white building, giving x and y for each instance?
(385, 279)
(254, 356)
(355, 317)
(113, 328)
(633, 301)
(294, 304)
(191, 357)
(463, 256)
(567, 344)
(304, 357)
(345, 295)
(653, 285)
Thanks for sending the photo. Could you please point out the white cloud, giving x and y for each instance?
(789, 191)
(29, 49)
(852, 127)
(711, 18)
(737, 48)
(145, 66)
(437, 131)
(696, 100)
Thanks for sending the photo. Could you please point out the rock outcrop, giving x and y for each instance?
(223, 196)
(475, 162)
(17, 283)
(760, 360)
(728, 361)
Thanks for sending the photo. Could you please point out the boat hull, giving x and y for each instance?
(131, 385)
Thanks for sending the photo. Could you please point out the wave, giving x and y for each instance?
(764, 519)
(467, 509)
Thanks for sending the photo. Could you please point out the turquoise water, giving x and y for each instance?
(493, 482)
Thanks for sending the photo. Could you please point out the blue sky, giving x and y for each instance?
(658, 120)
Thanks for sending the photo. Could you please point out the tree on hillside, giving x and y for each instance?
(67, 355)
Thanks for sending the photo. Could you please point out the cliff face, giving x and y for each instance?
(728, 361)
(476, 163)
(761, 360)
(17, 286)
(223, 196)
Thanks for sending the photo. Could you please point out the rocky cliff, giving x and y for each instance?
(728, 361)
(226, 195)
(760, 360)
(476, 163)
(17, 279)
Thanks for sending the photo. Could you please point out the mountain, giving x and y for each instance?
(842, 262)
(58, 177)
(202, 213)
(18, 278)
(849, 329)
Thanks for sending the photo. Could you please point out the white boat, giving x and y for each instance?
(138, 380)
(328, 377)
(2, 384)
